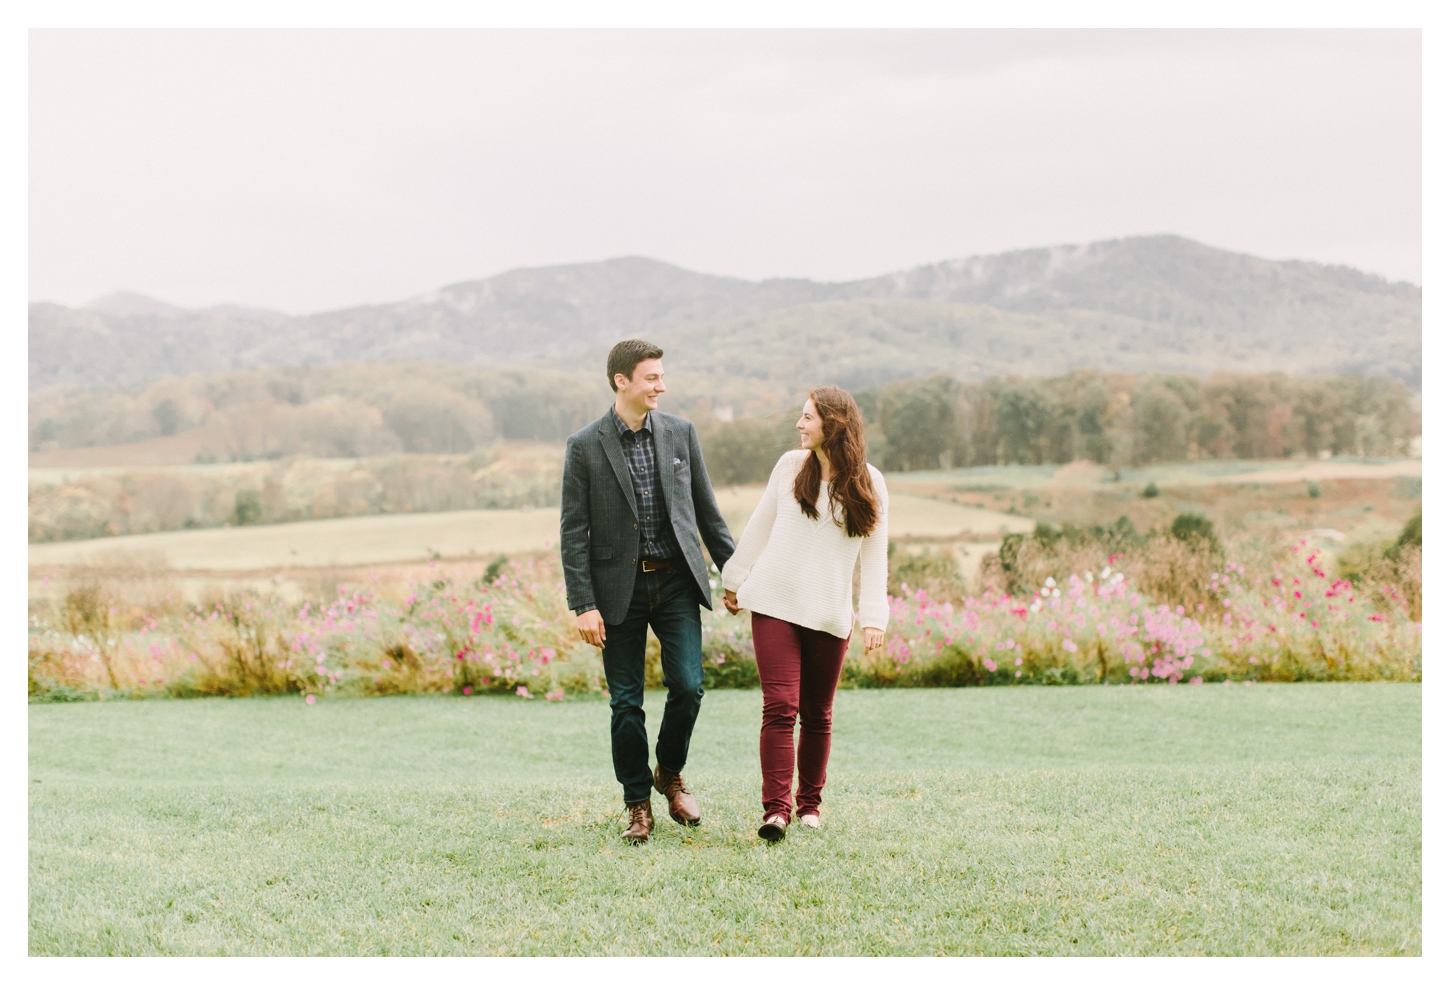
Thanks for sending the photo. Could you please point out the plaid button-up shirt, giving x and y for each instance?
(656, 541)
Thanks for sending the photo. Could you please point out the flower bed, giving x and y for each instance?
(513, 634)
(1293, 624)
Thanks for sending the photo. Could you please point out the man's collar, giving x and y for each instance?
(648, 424)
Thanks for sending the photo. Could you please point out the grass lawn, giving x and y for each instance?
(1243, 819)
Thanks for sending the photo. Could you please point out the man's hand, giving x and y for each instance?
(731, 605)
(591, 628)
(873, 638)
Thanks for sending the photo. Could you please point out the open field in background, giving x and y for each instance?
(1168, 473)
(309, 560)
(350, 543)
(347, 542)
(1256, 819)
(1337, 502)
(75, 502)
(962, 511)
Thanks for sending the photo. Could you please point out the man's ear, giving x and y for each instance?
(621, 381)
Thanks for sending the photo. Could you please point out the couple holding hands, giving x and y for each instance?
(637, 505)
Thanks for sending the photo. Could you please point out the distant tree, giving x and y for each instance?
(1160, 423)
(923, 422)
(1090, 420)
(1318, 406)
(167, 415)
(1023, 412)
(438, 421)
(743, 450)
(1259, 410)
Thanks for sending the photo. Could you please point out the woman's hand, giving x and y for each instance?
(873, 638)
(730, 603)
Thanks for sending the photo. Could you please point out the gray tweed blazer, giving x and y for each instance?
(598, 526)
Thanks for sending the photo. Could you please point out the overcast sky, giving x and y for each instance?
(305, 170)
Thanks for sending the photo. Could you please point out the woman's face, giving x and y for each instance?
(812, 434)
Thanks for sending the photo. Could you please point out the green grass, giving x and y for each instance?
(1191, 820)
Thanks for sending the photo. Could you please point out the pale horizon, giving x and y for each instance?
(306, 171)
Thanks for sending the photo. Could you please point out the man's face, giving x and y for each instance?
(645, 388)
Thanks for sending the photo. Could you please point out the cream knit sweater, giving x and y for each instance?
(798, 569)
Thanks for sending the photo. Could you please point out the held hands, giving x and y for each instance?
(591, 628)
(730, 604)
(873, 638)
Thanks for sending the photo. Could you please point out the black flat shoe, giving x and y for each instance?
(774, 828)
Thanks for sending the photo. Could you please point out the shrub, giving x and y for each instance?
(248, 509)
(1191, 527)
(1393, 569)
(1409, 536)
(1150, 491)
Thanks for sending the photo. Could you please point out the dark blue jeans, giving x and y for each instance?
(667, 602)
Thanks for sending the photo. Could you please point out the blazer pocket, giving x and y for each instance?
(601, 553)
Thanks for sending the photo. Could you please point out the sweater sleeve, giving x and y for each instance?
(874, 609)
(757, 529)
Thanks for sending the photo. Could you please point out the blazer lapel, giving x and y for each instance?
(665, 463)
(614, 451)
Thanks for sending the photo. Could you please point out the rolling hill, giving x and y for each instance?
(1160, 302)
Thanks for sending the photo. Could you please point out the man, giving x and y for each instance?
(637, 502)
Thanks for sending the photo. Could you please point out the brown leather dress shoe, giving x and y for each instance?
(683, 809)
(641, 823)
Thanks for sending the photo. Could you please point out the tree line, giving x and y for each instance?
(940, 422)
(345, 411)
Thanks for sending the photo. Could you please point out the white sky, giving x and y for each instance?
(307, 170)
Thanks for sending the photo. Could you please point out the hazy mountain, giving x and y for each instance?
(1158, 302)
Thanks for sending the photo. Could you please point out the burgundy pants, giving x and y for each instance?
(799, 669)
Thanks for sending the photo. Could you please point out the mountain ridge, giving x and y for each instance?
(1158, 301)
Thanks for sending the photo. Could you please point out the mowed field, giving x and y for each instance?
(393, 538)
(1240, 819)
(1205, 472)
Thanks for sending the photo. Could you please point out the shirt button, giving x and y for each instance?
(636, 526)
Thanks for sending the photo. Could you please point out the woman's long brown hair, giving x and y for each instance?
(844, 441)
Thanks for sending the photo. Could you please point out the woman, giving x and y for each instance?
(792, 569)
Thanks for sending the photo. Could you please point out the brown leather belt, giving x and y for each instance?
(646, 565)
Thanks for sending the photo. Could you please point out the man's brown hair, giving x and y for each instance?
(625, 356)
